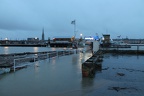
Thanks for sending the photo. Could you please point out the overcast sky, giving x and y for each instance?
(22, 19)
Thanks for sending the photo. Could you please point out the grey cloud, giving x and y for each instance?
(120, 17)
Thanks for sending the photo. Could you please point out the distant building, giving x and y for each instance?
(106, 40)
(88, 37)
(62, 39)
(96, 38)
(130, 41)
(33, 39)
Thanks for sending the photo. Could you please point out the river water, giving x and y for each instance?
(61, 76)
(8, 50)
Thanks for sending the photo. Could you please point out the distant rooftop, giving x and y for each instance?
(62, 37)
(106, 34)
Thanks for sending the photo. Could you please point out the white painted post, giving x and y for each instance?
(63, 53)
(47, 55)
(57, 53)
(14, 65)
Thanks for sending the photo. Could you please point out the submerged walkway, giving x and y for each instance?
(62, 76)
(12, 61)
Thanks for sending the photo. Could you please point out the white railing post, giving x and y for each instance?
(47, 55)
(57, 54)
(63, 53)
(14, 65)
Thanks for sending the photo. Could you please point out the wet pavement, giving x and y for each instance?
(121, 75)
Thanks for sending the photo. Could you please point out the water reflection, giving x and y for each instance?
(82, 57)
(35, 49)
(36, 67)
(87, 85)
(6, 50)
(87, 82)
(74, 59)
(53, 49)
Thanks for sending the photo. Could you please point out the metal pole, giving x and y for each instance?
(75, 28)
(34, 59)
(74, 23)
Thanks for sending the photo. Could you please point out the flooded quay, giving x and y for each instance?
(121, 75)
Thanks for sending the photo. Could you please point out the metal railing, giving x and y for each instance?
(18, 62)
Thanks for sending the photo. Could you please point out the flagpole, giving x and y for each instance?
(74, 28)
(74, 23)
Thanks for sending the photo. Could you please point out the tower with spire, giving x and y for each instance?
(43, 34)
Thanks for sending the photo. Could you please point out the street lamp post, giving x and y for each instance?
(80, 35)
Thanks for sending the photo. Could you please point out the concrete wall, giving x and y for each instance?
(95, 46)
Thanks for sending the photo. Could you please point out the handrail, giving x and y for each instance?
(42, 55)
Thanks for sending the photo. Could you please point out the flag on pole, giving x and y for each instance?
(73, 22)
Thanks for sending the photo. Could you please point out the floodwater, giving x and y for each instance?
(8, 50)
(121, 75)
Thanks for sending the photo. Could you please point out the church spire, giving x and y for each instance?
(43, 34)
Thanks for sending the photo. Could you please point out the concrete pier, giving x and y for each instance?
(90, 65)
(95, 61)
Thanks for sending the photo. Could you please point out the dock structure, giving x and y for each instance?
(130, 52)
(64, 41)
(90, 65)
(120, 46)
(17, 61)
(94, 63)
(61, 44)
